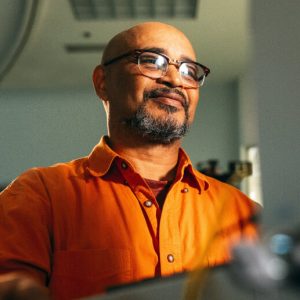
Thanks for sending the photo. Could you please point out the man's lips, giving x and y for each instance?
(169, 97)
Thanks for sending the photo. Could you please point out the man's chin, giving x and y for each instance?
(163, 130)
(160, 126)
(166, 114)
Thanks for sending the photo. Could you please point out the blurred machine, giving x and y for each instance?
(237, 171)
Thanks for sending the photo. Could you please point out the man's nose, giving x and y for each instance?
(172, 77)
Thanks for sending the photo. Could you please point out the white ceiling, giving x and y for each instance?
(34, 33)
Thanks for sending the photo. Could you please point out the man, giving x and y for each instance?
(134, 208)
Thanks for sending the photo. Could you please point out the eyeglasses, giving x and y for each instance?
(155, 65)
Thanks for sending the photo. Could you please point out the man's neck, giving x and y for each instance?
(151, 161)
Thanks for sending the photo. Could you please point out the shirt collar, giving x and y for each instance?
(185, 168)
(102, 157)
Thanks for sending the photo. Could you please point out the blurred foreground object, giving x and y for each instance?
(15, 286)
(266, 270)
(274, 263)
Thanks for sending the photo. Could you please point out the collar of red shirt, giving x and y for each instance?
(102, 157)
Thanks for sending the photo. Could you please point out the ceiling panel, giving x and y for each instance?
(219, 33)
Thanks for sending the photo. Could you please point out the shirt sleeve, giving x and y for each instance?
(25, 227)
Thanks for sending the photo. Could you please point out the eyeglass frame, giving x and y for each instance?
(170, 61)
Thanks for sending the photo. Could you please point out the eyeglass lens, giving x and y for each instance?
(155, 65)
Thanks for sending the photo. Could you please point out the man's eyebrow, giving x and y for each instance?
(163, 51)
(155, 49)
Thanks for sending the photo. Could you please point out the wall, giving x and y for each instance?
(275, 71)
(247, 111)
(215, 130)
(39, 128)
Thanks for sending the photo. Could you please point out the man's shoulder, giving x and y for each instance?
(72, 167)
(230, 200)
(52, 174)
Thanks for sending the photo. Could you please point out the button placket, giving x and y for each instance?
(143, 195)
(141, 192)
(170, 240)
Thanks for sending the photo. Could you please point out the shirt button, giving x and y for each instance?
(185, 190)
(124, 165)
(148, 203)
(170, 258)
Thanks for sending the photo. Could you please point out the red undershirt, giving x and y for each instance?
(160, 189)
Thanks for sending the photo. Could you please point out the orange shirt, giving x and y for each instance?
(81, 226)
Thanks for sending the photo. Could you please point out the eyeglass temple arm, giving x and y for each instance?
(117, 58)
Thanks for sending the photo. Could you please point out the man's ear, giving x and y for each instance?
(99, 82)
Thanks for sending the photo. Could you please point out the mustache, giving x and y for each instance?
(157, 92)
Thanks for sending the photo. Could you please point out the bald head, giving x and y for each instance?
(144, 35)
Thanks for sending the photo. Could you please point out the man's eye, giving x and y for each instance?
(152, 59)
(189, 71)
(148, 59)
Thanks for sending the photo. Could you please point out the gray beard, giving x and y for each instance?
(159, 130)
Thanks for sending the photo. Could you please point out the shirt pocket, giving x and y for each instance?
(78, 273)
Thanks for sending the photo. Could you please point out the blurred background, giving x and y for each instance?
(249, 107)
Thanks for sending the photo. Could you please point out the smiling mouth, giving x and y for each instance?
(167, 97)
(169, 101)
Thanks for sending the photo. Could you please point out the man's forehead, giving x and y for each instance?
(151, 35)
(166, 51)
